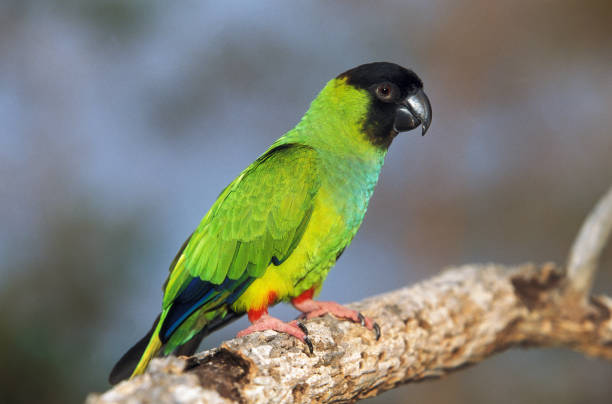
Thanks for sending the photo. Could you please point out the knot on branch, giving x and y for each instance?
(225, 371)
(536, 287)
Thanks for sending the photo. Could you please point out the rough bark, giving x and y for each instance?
(453, 320)
(444, 324)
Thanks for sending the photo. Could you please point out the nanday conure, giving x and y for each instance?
(274, 233)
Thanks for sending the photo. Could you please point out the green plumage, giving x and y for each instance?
(261, 215)
(277, 229)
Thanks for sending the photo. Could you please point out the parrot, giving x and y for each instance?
(274, 233)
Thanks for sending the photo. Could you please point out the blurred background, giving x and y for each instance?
(120, 122)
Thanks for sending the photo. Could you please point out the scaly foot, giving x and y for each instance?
(311, 308)
(267, 322)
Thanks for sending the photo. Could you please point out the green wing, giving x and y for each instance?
(258, 219)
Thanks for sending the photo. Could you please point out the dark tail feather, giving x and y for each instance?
(125, 366)
(191, 346)
(128, 362)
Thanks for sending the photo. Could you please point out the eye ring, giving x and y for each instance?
(385, 92)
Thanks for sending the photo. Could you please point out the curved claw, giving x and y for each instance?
(307, 340)
(304, 330)
(362, 319)
(376, 331)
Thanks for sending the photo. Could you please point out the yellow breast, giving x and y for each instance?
(306, 267)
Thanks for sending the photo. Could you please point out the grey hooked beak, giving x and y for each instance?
(413, 111)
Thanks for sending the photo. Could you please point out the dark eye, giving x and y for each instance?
(385, 92)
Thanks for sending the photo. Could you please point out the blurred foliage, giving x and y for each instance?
(122, 18)
(55, 303)
(125, 119)
(201, 90)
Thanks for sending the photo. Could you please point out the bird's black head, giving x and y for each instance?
(398, 102)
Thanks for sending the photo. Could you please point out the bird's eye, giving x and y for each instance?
(385, 92)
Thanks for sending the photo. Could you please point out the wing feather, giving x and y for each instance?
(258, 219)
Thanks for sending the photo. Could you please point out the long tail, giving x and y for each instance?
(136, 359)
(198, 310)
(134, 362)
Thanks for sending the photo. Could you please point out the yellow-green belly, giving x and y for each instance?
(308, 265)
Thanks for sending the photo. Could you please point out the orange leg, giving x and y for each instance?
(262, 321)
(311, 308)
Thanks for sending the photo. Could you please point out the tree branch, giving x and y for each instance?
(588, 246)
(453, 320)
(435, 327)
